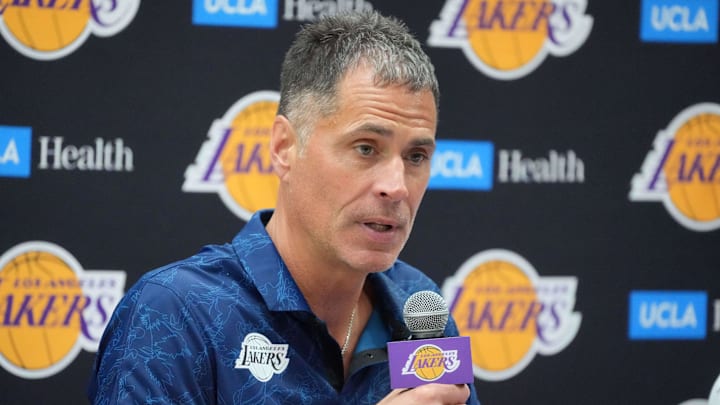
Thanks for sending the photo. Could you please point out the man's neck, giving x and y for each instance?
(331, 289)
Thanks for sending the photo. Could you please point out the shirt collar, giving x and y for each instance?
(266, 268)
(389, 299)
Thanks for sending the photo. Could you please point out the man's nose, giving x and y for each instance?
(391, 183)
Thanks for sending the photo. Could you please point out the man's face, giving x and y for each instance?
(356, 187)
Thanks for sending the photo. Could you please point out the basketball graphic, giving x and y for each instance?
(48, 29)
(258, 343)
(494, 35)
(262, 357)
(429, 363)
(683, 168)
(509, 312)
(693, 164)
(234, 161)
(500, 284)
(42, 330)
(47, 315)
(508, 40)
(33, 276)
(245, 160)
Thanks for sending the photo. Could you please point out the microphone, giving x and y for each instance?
(426, 315)
(428, 357)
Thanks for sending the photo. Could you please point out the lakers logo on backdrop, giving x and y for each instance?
(683, 169)
(47, 30)
(509, 39)
(50, 308)
(510, 313)
(235, 160)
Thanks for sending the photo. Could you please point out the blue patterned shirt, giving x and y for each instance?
(230, 326)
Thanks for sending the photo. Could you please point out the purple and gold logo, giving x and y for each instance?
(683, 169)
(510, 313)
(507, 40)
(417, 362)
(50, 308)
(429, 362)
(49, 30)
(235, 160)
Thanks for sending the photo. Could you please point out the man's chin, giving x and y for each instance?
(375, 262)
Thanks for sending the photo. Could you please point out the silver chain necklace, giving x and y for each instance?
(349, 331)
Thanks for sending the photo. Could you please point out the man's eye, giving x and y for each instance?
(365, 150)
(418, 158)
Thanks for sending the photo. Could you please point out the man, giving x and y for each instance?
(299, 307)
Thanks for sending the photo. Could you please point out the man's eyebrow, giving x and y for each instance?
(374, 128)
(384, 131)
(424, 142)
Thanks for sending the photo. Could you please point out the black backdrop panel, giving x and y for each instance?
(580, 285)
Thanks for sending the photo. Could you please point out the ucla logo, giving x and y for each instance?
(430, 363)
(667, 315)
(462, 165)
(679, 21)
(15, 151)
(510, 313)
(683, 169)
(509, 39)
(50, 308)
(236, 13)
(261, 357)
(235, 160)
(48, 30)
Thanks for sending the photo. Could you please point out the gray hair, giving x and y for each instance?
(324, 51)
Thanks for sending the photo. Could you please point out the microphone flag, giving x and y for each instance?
(439, 360)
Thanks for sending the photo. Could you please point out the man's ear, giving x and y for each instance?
(283, 142)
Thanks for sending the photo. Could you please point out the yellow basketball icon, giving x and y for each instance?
(234, 161)
(498, 311)
(245, 160)
(690, 165)
(43, 299)
(429, 364)
(501, 37)
(48, 28)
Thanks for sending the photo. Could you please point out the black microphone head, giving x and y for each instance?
(426, 314)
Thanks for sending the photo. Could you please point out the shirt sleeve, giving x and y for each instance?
(152, 352)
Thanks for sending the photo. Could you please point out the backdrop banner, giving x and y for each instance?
(572, 218)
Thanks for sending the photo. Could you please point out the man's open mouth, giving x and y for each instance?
(378, 227)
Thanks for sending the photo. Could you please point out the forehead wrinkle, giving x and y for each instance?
(384, 118)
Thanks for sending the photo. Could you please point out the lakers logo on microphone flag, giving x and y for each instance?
(441, 360)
